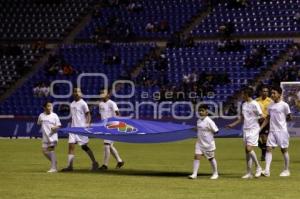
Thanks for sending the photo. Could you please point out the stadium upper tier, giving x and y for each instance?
(272, 17)
(39, 19)
(166, 16)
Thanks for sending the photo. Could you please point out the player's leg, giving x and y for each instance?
(264, 138)
(268, 161)
(45, 144)
(210, 155)
(250, 149)
(53, 159)
(116, 155)
(90, 153)
(246, 139)
(251, 157)
(71, 152)
(46, 152)
(106, 155)
(286, 171)
(196, 165)
(284, 144)
(271, 143)
(248, 163)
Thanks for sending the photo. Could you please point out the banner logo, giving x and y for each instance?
(121, 127)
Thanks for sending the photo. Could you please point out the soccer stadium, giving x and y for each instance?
(150, 99)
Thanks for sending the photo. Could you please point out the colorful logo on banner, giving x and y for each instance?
(121, 126)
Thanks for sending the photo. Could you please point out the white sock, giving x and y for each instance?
(214, 166)
(106, 154)
(196, 167)
(248, 162)
(53, 160)
(268, 161)
(70, 160)
(115, 153)
(254, 158)
(286, 160)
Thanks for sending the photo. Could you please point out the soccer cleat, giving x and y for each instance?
(52, 171)
(285, 173)
(95, 166)
(214, 176)
(192, 177)
(103, 168)
(67, 169)
(265, 173)
(120, 164)
(247, 176)
(258, 172)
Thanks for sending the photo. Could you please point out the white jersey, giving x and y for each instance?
(78, 111)
(278, 112)
(251, 112)
(47, 122)
(205, 132)
(108, 109)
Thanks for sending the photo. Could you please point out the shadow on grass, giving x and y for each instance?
(148, 173)
(133, 172)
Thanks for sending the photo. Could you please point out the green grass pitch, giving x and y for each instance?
(151, 171)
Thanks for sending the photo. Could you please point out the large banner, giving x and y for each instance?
(27, 127)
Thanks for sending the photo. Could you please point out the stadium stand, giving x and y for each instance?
(256, 17)
(25, 20)
(66, 64)
(222, 66)
(150, 19)
(15, 61)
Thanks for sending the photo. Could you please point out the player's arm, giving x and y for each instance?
(265, 123)
(87, 114)
(214, 128)
(56, 127)
(261, 119)
(289, 117)
(233, 124)
(39, 121)
(288, 113)
(116, 109)
(88, 118)
(259, 113)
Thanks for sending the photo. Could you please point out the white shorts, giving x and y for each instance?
(108, 142)
(49, 141)
(251, 136)
(200, 151)
(279, 138)
(78, 139)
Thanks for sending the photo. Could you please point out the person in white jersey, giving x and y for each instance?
(49, 122)
(205, 144)
(108, 109)
(278, 115)
(81, 117)
(251, 114)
